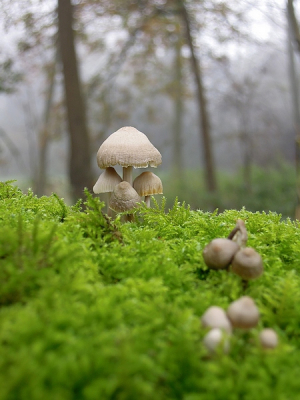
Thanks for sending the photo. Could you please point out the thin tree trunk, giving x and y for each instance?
(178, 113)
(205, 134)
(295, 99)
(79, 160)
(44, 136)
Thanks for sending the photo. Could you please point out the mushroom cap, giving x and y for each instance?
(243, 313)
(268, 338)
(214, 338)
(215, 317)
(247, 263)
(148, 183)
(128, 147)
(219, 253)
(124, 198)
(107, 181)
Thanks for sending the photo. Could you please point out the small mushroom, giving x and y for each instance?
(215, 317)
(215, 338)
(243, 313)
(247, 263)
(129, 148)
(219, 253)
(106, 183)
(124, 198)
(239, 233)
(268, 338)
(147, 184)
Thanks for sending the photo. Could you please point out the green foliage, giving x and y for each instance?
(95, 309)
(269, 190)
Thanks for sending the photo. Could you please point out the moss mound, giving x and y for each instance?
(91, 309)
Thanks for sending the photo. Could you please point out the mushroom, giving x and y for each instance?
(214, 338)
(215, 317)
(129, 148)
(106, 183)
(243, 313)
(124, 198)
(219, 253)
(247, 263)
(239, 233)
(147, 184)
(268, 338)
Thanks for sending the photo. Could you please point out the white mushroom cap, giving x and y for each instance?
(268, 338)
(219, 253)
(124, 198)
(128, 147)
(243, 313)
(147, 184)
(215, 338)
(247, 263)
(215, 317)
(107, 181)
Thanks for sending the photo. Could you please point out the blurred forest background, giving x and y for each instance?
(212, 83)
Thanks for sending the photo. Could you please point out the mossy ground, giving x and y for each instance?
(95, 310)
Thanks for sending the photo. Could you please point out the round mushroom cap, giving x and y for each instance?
(128, 147)
(247, 263)
(214, 338)
(243, 313)
(268, 338)
(124, 198)
(147, 184)
(219, 253)
(107, 181)
(215, 317)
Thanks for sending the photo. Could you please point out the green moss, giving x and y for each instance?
(91, 309)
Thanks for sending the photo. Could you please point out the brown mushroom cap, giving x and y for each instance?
(107, 181)
(124, 198)
(147, 184)
(128, 147)
(243, 313)
(219, 253)
(215, 317)
(247, 263)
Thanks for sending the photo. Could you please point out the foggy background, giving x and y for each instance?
(213, 84)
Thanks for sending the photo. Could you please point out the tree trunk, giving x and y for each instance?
(79, 159)
(178, 113)
(205, 134)
(44, 136)
(292, 34)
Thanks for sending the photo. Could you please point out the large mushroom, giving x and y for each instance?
(148, 184)
(106, 183)
(129, 148)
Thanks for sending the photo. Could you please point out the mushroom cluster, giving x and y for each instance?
(220, 253)
(241, 314)
(128, 148)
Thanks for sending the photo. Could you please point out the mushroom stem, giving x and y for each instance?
(127, 174)
(147, 201)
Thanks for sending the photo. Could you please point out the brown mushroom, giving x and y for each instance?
(247, 263)
(243, 313)
(147, 184)
(124, 198)
(129, 148)
(219, 253)
(268, 338)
